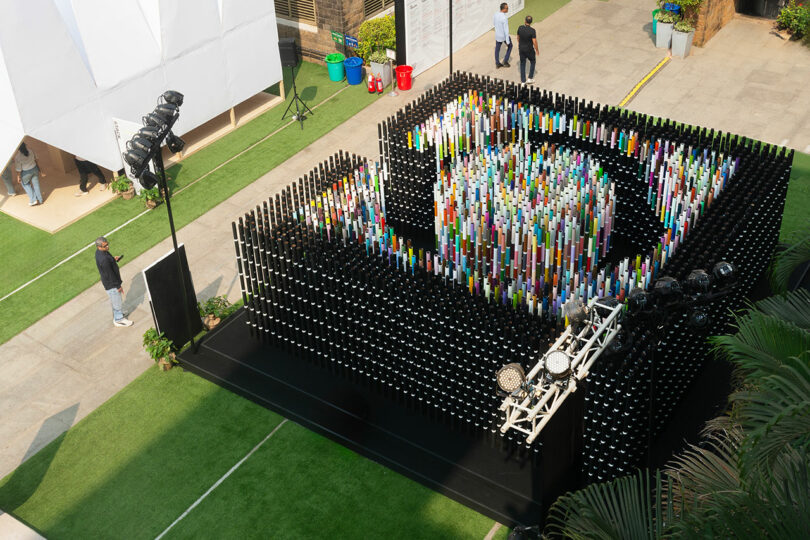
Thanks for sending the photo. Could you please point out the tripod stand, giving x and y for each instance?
(299, 103)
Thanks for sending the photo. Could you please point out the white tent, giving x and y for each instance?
(68, 67)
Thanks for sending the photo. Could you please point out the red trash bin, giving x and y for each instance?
(404, 77)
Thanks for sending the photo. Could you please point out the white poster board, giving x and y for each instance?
(427, 28)
(124, 130)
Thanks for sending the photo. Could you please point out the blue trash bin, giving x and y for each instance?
(354, 70)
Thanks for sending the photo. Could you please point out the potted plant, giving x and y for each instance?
(380, 66)
(682, 37)
(123, 186)
(663, 30)
(159, 348)
(151, 197)
(214, 310)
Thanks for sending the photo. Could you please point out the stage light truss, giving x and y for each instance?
(529, 408)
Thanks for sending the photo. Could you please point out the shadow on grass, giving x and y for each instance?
(20, 485)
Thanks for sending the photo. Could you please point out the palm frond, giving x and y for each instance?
(631, 507)
(775, 413)
(761, 344)
(793, 307)
(786, 262)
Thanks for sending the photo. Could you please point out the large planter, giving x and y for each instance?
(128, 194)
(682, 43)
(663, 34)
(384, 70)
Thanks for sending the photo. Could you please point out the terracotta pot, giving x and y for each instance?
(210, 322)
(128, 194)
(165, 364)
(151, 204)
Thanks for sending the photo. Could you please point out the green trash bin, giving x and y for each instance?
(655, 21)
(334, 62)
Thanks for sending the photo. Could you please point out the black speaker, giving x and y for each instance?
(290, 57)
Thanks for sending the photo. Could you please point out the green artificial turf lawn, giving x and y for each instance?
(27, 251)
(796, 219)
(136, 463)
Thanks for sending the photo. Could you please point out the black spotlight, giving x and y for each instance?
(135, 158)
(575, 312)
(174, 97)
(639, 300)
(141, 143)
(699, 318)
(698, 282)
(149, 132)
(167, 111)
(668, 289)
(605, 305)
(154, 120)
(175, 143)
(149, 179)
(724, 272)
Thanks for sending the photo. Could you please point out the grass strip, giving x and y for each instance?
(136, 463)
(32, 303)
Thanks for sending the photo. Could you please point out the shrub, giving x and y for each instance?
(120, 184)
(379, 57)
(157, 345)
(376, 35)
(666, 17)
(795, 18)
(684, 26)
(217, 306)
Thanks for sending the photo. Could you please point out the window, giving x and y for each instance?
(299, 10)
(372, 7)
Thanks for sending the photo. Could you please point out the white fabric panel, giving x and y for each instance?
(238, 12)
(187, 25)
(67, 67)
(121, 48)
(427, 29)
(248, 67)
(45, 68)
(197, 75)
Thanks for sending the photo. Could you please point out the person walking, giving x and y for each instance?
(502, 36)
(88, 167)
(111, 280)
(527, 47)
(28, 173)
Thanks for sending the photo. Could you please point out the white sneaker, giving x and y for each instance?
(80, 193)
(122, 322)
(530, 81)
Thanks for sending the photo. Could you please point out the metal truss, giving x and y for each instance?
(530, 408)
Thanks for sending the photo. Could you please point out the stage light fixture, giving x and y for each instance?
(558, 364)
(172, 96)
(698, 282)
(724, 272)
(141, 143)
(668, 289)
(149, 132)
(154, 120)
(175, 143)
(167, 111)
(510, 377)
(575, 312)
(639, 300)
(699, 318)
(604, 306)
(135, 158)
(149, 179)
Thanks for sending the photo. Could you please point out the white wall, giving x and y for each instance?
(427, 28)
(67, 67)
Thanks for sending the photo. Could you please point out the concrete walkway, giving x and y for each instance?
(67, 364)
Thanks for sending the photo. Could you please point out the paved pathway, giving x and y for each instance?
(70, 362)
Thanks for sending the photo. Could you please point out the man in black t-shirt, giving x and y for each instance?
(527, 47)
(111, 279)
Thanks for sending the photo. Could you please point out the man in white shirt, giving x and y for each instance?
(502, 36)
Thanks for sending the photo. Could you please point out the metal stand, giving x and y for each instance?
(158, 160)
(393, 92)
(299, 103)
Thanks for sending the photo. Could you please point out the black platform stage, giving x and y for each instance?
(474, 470)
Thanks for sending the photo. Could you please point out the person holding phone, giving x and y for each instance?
(111, 280)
